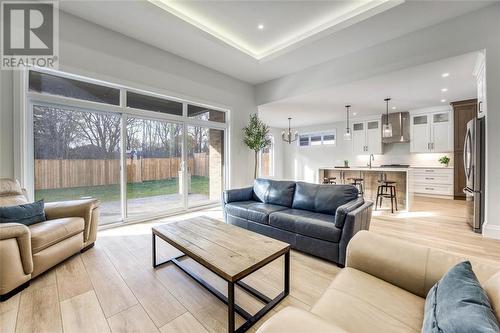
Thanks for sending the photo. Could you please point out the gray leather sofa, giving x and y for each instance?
(316, 219)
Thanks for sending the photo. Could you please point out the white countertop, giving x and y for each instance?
(374, 169)
(384, 169)
(432, 167)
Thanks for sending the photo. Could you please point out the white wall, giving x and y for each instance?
(90, 50)
(303, 163)
(278, 152)
(471, 32)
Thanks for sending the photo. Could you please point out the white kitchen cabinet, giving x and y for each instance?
(359, 138)
(480, 74)
(431, 132)
(432, 181)
(420, 133)
(366, 137)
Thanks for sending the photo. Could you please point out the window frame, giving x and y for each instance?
(322, 134)
(23, 125)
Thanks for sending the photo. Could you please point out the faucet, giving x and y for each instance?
(372, 158)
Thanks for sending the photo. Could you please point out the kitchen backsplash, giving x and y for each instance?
(399, 153)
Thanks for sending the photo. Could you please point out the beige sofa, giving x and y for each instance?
(28, 251)
(382, 289)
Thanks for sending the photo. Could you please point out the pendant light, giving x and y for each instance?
(387, 128)
(347, 134)
(289, 136)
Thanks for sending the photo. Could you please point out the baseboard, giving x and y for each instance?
(491, 231)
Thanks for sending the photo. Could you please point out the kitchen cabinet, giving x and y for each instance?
(433, 181)
(480, 74)
(431, 132)
(367, 137)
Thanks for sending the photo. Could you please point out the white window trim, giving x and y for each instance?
(23, 125)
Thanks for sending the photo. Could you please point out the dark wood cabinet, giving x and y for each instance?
(463, 112)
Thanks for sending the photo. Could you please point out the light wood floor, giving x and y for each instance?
(112, 287)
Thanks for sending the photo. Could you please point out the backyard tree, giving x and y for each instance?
(256, 137)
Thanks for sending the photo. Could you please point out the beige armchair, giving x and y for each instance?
(28, 251)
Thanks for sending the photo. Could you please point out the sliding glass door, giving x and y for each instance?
(205, 160)
(141, 154)
(154, 160)
(77, 156)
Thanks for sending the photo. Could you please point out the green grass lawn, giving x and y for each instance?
(199, 185)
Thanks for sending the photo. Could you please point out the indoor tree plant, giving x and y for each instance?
(256, 137)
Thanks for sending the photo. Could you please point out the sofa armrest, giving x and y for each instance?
(356, 220)
(294, 320)
(342, 211)
(21, 234)
(87, 209)
(238, 194)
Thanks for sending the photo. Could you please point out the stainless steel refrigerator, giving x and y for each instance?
(474, 146)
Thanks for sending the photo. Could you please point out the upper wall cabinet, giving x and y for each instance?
(367, 137)
(431, 132)
(480, 74)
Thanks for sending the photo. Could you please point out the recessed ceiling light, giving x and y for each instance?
(394, 108)
(443, 100)
(444, 89)
(354, 113)
(445, 74)
(260, 27)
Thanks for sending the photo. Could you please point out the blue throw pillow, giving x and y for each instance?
(26, 214)
(457, 303)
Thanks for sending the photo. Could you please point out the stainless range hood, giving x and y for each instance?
(400, 127)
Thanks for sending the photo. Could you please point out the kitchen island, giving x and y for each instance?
(371, 176)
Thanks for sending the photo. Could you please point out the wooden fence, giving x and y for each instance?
(52, 174)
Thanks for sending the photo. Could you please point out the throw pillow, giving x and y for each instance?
(457, 303)
(26, 214)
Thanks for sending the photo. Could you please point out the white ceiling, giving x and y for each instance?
(412, 88)
(284, 21)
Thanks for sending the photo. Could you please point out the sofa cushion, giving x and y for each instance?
(239, 208)
(275, 192)
(259, 212)
(458, 303)
(303, 222)
(295, 320)
(50, 232)
(27, 214)
(10, 187)
(359, 302)
(322, 198)
(253, 211)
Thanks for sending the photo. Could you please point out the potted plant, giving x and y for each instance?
(256, 137)
(444, 160)
(346, 163)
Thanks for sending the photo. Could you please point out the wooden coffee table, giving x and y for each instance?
(230, 252)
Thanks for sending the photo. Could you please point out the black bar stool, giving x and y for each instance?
(329, 180)
(387, 189)
(358, 182)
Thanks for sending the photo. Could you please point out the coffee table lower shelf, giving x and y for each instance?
(232, 307)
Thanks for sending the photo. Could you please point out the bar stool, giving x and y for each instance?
(358, 183)
(329, 180)
(383, 187)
